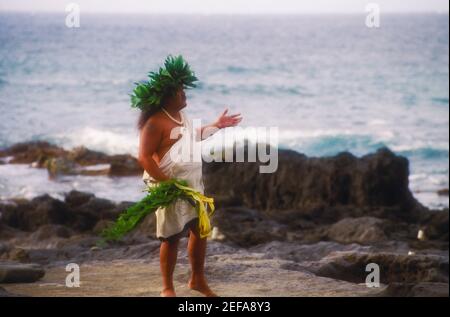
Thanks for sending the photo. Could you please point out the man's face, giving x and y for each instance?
(181, 98)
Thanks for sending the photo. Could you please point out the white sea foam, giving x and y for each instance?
(23, 181)
(419, 145)
(101, 140)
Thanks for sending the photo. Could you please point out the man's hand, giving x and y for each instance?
(225, 121)
(222, 122)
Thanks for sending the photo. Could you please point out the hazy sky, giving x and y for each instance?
(227, 6)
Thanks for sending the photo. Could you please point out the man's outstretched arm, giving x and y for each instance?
(224, 121)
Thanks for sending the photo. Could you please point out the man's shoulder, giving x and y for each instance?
(154, 122)
(157, 118)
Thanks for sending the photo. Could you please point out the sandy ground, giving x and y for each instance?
(229, 275)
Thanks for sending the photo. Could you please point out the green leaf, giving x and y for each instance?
(176, 73)
(161, 195)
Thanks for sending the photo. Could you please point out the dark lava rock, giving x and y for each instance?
(310, 186)
(20, 273)
(246, 227)
(59, 161)
(424, 289)
(394, 268)
(29, 152)
(364, 230)
(79, 212)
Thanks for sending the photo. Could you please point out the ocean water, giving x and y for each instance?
(328, 82)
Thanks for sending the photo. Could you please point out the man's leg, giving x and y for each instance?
(197, 252)
(168, 258)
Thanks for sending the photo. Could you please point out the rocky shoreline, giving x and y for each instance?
(310, 229)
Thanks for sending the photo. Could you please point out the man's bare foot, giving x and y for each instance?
(168, 292)
(201, 286)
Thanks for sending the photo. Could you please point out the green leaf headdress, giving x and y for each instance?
(175, 74)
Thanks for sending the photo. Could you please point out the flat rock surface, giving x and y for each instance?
(229, 275)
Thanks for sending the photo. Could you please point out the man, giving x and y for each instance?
(162, 115)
